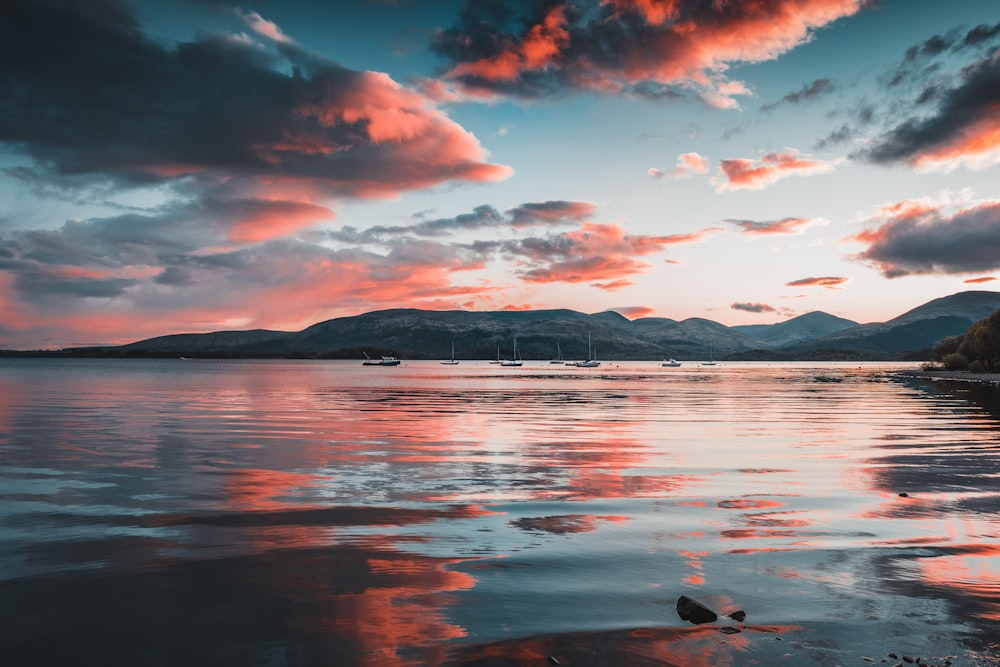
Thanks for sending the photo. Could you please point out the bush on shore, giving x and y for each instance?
(977, 350)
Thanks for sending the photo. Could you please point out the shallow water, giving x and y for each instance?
(167, 512)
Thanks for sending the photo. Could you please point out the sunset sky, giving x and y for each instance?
(173, 166)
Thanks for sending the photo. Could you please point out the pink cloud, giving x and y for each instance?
(410, 144)
(743, 174)
(688, 164)
(655, 12)
(518, 307)
(635, 312)
(665, 42)
(269, 220)
(921, 237)
(976, 145)
(979, 281)
(604, 254)
(831, 282)
(261, 26)
(278, 285)
(535, 51)
(614, 285)
(776, 227)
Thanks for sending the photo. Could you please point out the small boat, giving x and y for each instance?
(384, 361)
(497, 360)
(515, 361)
(670, 363)
(451, 362)
(591, 360)
(559, 358)
(711, 358)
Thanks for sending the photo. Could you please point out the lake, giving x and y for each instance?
(199, 512)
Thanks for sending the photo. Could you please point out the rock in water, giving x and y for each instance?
(738, 616)
(694, 611)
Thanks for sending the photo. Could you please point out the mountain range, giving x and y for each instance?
(425, 334)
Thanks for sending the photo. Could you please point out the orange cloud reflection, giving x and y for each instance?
(696, 646)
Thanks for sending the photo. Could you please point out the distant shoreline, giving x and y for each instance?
(959, 376)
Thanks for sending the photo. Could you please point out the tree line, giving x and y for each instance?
(977, 350)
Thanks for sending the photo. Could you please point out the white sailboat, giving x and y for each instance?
(711, 357)
(451, 362)
(559, 358)
(515, 361)
(497, 360)
(670, 363)
(591, 360)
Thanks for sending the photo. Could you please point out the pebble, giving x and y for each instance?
(906, 661)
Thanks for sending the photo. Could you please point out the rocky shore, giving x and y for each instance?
(960, 376)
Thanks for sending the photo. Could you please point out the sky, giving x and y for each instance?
(174, 166)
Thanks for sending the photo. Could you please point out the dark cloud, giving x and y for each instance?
(89, 97)
(753, 307)
(532, 214)
(966, 112)
(839, 136)
(550, 212)
(981, 34)
(919, 62)
(534, 48)
(811, 91)
(861, 117)
(920, 239)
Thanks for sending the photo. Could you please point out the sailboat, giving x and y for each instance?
(711, 357)
(451, 362)
(497, 360)
(590, 361)
(515, 361)
(559, 358)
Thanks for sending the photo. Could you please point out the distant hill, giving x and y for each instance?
(424, 334)
(693, 338)
(802, 328)
(917, 329)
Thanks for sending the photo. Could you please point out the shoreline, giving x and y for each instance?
(959, 376)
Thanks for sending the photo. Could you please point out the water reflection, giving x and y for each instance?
(304, 513)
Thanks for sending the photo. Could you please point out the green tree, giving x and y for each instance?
(947, 346)
(955, 362)
(981, 343)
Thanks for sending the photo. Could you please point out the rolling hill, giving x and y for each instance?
(416, 334)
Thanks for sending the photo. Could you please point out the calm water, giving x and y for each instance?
(322, 513)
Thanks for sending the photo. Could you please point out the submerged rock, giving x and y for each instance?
(738, 616)
(694, 611)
